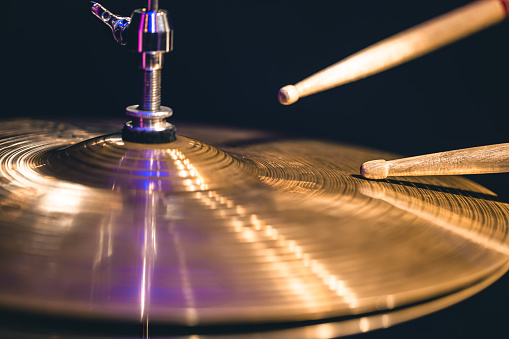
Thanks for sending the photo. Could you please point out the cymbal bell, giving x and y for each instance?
(252, 230)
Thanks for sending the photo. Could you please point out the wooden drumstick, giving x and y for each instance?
(475, 160)
(401, 48)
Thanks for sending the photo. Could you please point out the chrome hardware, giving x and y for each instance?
(118, 24)
(149, 33)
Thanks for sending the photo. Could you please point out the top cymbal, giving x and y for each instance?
(264, 231)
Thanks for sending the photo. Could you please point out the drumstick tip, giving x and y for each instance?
(375, 169)
(288, 95)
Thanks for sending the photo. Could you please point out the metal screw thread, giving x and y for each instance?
(150, 96)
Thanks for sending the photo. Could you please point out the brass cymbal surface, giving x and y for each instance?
(240, 228)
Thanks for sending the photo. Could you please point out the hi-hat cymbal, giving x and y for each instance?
(253, 230)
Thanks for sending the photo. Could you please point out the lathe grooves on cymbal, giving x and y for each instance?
(263, 232)
(109, 162)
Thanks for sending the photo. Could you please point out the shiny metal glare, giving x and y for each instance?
(249, 230)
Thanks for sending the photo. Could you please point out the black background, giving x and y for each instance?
(230, 59)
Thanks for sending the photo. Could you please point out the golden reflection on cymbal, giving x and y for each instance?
(255, 229)
(189, 234)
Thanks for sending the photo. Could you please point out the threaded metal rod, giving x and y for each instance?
(150, 95)
(153, 39)
(151, 65)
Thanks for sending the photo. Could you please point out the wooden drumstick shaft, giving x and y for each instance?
(401, 48)
(475, 160)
